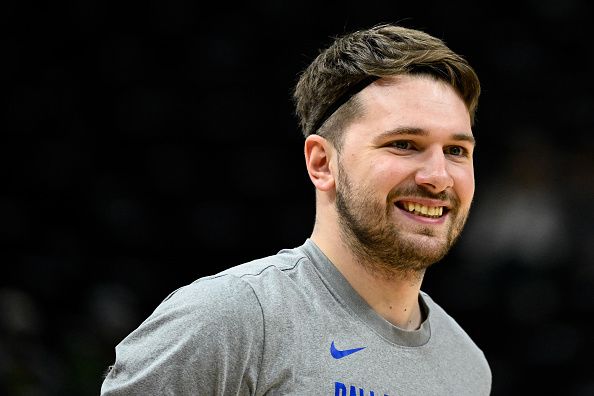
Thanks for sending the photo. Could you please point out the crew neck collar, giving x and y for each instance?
(357, 306)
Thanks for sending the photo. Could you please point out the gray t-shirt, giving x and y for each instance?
(291, 324)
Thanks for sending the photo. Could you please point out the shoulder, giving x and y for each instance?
(451, 340)
(215, 296)
(445, 329)
(284, 261)
(440, 319)
(234, 291)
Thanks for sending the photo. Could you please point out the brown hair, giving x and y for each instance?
(323, 95)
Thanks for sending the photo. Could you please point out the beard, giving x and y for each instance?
(370, 233)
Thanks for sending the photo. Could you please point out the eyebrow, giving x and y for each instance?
(461, 137)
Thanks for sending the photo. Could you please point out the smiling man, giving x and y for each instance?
(394, 195)
(387, 115)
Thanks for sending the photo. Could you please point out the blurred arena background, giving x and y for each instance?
(147, 145)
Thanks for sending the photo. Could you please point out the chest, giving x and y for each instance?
(334, 354)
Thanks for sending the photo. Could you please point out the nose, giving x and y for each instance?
(433, 172)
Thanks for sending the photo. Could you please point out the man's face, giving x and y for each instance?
(405, 174)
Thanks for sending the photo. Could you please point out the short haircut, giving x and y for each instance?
(325, 92)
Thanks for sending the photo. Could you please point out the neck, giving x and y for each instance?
(393, 295)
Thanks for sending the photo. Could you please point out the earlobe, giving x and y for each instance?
(318, 153)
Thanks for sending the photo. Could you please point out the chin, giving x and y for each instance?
(425, 250)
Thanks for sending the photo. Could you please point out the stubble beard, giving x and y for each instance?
(368, 231)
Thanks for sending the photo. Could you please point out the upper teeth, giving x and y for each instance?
(426, 210)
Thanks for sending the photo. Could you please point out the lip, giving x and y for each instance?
(422, 219)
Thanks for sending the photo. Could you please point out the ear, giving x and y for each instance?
(318, 154)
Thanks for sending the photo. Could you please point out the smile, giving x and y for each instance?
(422, 210)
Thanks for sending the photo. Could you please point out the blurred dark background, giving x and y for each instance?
(147, 145)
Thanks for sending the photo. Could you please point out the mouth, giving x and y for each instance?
(432, 212)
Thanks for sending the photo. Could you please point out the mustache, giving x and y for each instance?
(420, 192)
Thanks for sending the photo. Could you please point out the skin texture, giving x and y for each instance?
(412, 144)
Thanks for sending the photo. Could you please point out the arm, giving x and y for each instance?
(205, 338)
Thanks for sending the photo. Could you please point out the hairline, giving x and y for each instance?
(357, 107)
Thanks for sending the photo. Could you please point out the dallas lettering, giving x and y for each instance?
(340, 389)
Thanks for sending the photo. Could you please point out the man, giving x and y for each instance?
(387, 115)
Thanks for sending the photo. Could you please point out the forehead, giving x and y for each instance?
(415, 102)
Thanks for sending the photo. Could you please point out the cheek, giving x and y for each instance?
(390, 171)
(381, 178)
(464, 185)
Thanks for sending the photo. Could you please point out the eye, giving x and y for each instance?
(402, 145)
(457, 151)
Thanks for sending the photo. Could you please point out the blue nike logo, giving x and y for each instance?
(338, 354)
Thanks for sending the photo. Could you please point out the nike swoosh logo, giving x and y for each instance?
(338, 354)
